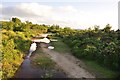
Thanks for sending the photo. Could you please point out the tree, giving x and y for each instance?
(107, 28)
(96, 28)
(16, 20)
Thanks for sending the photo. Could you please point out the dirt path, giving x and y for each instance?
(30, 70)
(69, 66)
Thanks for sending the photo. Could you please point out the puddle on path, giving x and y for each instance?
(26, 70)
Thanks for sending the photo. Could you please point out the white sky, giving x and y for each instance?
(79, 14)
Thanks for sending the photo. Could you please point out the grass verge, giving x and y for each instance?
(60, 46)
(99, 70)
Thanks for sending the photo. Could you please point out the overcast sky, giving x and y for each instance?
(79, 14)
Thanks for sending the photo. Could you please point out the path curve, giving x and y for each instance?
(69, 67)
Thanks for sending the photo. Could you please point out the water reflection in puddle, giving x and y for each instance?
(26, 70)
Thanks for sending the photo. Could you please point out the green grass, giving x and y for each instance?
(99, 70)
(44, 62)
(60, 46)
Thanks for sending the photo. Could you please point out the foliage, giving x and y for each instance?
(100, 45)
(16, 37)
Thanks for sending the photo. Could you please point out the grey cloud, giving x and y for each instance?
(13, 11)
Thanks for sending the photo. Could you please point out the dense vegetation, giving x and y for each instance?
(16, 37)
(100, 45)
